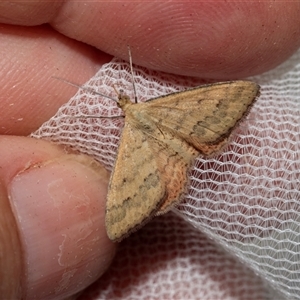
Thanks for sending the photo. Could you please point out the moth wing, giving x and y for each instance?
(204, 116)
(136, 189)
(174, 157)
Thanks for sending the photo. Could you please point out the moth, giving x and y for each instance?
(160, 140)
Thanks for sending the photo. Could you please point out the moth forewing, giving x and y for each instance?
(205, 116)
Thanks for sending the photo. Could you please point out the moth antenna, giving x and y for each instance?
(132, 75)
(116, 91)
(83, 88)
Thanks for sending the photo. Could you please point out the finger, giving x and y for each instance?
(54, 212)
(205, 39)
(30, 58)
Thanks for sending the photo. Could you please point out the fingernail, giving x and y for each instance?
(60, 209)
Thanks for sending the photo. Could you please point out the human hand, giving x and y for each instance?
(30, 96)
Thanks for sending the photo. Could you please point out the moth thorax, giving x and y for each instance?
(124, 101)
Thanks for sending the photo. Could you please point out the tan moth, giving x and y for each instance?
(160, 140)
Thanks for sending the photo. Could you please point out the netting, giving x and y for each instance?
(237, 233)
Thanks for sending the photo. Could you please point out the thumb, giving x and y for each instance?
(53, 241)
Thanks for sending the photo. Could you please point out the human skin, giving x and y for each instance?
(217, 40)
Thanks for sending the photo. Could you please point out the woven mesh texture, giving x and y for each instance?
(237, 233)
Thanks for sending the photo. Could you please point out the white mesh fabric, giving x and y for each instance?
(245, 201)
